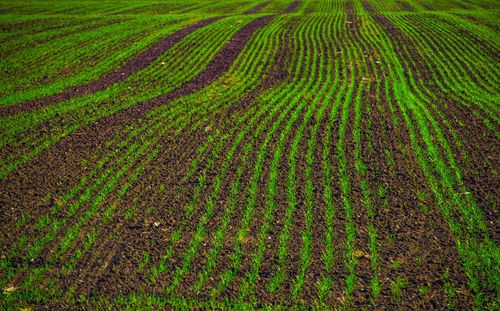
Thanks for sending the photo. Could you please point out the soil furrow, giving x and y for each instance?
(475, 155)
(291, 8)
(423, 254)
(187, 187)
(37, 31)
(476, 163)
(135, 65)
(148, 230)
(257, 8)
(88, 140)
(405, 6)
(344, 156)
(474, 20)
(396, 167)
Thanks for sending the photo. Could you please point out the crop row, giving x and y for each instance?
(437, 161)
(84, 191)
(67, 117)
(293, 166)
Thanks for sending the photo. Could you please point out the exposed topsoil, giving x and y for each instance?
(414, 244)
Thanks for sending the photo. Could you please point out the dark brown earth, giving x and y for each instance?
(479, 165)
(477, 21)
(88, 141)
(291, 8)
(63, 170)
(143, 60)
(405, 6)
(65, 11)
(35, 23)
(257, 8)
(4, 28)
(138, 63)
(410, 228)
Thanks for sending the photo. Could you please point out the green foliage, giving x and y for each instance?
(283, 141)
(396, 287)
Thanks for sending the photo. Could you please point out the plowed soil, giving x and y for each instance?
(414, 241)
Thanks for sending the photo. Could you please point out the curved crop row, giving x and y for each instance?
(470, 247)
(77, 110)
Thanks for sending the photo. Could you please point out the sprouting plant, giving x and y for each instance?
(421, 195)
(375, 286)
(422, 290)
(446, 273)
(418, 260)
(450, 290)
(391, 238)
(90, 239)
(396, 287)
(154, 273)
(396, 264)
(144, 262)
(21, 242)
(382, 192)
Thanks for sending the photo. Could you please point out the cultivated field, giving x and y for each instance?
(326, 154)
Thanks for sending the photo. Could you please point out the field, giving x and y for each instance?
(331, 154)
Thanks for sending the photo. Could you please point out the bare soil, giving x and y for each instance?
(414, 241)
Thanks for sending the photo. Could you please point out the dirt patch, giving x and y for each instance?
(62, 35)
(32, 24)
(490, 49)
(405, 6)
(418, 253)
(478, 165)
(475, 156)
(291, 8)
(142, 60)
(427, 7)
(142, 227)
(34, 32)
(461, 5)
(65, 11)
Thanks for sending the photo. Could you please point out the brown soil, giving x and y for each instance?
(414, 241)
(4, 29)
(478, 167)
(173, 161)
(460, 5)
(61, 167)
(291, 8)
(405, 6)
(144, 59)
(65, 11)
(257, 8)
(138, 63)
(32, 24)
(421, 261)
(65, 170)
(477, 21)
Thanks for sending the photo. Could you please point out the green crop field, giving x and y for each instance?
(250, 154)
